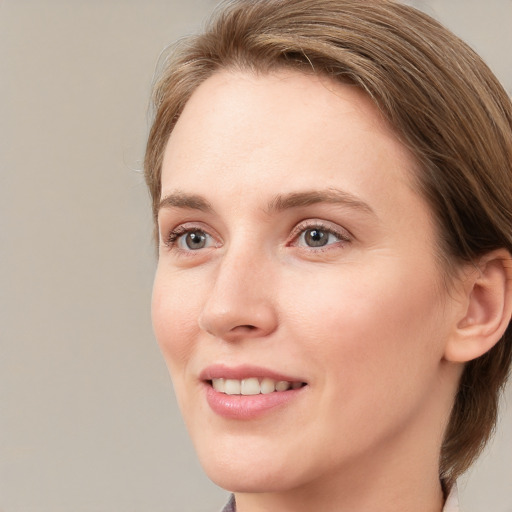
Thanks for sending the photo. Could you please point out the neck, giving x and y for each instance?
(400, 475)
(358, 490)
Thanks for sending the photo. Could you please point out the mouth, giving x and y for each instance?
(249, 392)
(253, 385)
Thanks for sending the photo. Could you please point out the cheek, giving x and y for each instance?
(174, 315)
(372, 323)
(366, 338)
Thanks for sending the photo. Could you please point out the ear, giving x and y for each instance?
(486, 308)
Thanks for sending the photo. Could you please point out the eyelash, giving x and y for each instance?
(343, 237)
(174, 236)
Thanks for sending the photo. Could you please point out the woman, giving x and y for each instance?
(331, 185)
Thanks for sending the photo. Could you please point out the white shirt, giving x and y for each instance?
(452, 502)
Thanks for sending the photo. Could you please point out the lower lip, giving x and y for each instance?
(247, 407)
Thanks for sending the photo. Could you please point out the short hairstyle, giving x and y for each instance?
(441, 99)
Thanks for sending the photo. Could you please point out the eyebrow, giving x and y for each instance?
(185, 201)
(277, 204)
(308, 198)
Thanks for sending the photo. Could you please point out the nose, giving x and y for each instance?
(241, 301)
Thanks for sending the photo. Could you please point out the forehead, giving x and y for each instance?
(287, 130)
(302, 104)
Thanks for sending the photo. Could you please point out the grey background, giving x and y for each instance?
(88, 421)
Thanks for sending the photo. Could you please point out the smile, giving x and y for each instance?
(248, 392)
(253, 386)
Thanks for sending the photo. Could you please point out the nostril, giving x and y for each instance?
(244, 328)
(232, 320)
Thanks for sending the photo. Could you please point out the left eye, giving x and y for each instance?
(317, 237)
(193, 240)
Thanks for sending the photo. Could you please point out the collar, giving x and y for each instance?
(451, 504)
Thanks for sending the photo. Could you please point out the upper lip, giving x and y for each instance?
(221, 371)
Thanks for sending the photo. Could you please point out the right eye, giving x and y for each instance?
(317, 237)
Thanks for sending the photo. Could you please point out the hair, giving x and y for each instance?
(441, 99)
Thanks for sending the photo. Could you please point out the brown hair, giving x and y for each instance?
(441, 98)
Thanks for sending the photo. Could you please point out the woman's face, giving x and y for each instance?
(295, 254)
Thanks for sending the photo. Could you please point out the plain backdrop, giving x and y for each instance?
(88, 421)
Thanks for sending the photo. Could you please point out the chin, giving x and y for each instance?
(247, 475)
(253, 481)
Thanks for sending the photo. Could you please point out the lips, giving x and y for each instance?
(246, 392)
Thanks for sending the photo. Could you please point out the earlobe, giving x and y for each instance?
(487, 308)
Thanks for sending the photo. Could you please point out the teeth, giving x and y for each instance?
(252, 386)
(219, 385)
(232, 387)
(282, 385)
(267, 386)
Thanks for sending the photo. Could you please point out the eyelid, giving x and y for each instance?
(343, 234)
(170, 237)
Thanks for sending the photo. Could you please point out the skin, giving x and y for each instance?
(364, 320)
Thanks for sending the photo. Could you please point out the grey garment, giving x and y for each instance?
(230, 505)
(451, 505)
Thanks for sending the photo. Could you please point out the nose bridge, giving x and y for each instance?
(240, 303)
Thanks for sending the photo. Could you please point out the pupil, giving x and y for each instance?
(196, 240)
(316, 238)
